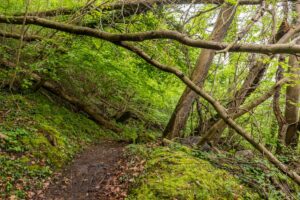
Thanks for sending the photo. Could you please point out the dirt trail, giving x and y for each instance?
(89, 174)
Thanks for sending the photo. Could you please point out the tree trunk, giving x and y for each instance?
(291, 108)
(180, 115)
(91, 110)
(250, 84)
(242, 110)
(252, 81)
(282, 125)
(220, 109)
(293, 94)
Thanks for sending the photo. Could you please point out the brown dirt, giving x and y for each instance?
(90, 175)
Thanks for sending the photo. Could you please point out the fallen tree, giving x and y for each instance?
(91, 110)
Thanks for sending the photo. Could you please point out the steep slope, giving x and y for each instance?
(38, 136)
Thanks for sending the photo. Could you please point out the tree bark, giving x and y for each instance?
(293, 93)
(219, 108)
(180, 115)
(292, 104)
(160, 34)
(250, 84)
(281, 122)
(241, 111)
(90, 110)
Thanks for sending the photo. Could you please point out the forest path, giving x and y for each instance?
(91, 175)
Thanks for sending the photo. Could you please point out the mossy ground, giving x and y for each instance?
(174, 173)
(40, 137)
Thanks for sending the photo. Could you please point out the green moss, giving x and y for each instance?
(173, 173)
(42, 136)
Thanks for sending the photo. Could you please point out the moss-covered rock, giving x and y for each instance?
(173, 173)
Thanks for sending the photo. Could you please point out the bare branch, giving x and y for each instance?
(27, 38)
(164, 34)
(218, 107)
(243, 110)
(243, 32)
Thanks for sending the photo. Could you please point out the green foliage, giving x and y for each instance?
(173, 173)
(232, 2)
(125, 79)
(19, 174)
(40, 137)
(18, 6)
(257, 172)
(96, 71)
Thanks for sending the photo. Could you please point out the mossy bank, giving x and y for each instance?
(37, 138)
(174, 173)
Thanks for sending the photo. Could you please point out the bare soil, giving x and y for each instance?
(91, 175)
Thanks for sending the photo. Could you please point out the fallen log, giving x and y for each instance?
(132, 114)
(51, 86)
(91, 110)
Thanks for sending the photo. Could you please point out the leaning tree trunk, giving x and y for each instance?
(180, 114)
(292, 101)
(252, 81)
(293, 94)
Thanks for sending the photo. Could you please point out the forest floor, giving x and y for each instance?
(92, 175)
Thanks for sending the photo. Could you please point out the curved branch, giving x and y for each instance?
(218, 107)
(244, 31)
(152, 35)
(241, 111)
